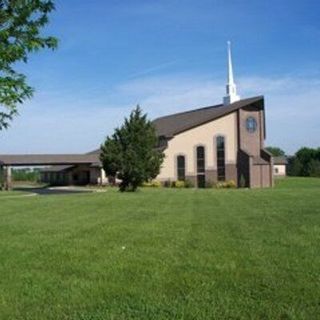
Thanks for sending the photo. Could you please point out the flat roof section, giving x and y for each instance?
(47, 159)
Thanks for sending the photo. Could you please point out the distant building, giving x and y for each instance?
(280, 166)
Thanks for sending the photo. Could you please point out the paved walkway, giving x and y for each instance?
(56, 191)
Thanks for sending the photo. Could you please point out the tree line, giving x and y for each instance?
(305, 163)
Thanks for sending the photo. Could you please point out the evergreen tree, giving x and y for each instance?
(21, 22)
(130, 154)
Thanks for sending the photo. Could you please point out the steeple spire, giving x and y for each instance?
(231, 86)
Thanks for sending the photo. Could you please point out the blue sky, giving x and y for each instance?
(169, 56)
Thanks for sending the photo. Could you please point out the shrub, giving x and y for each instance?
(231, 184)
(210, 184)
(155, 184)
(220, 185)
(189, 184)
(180, 184)
(226, 184)
(167, 184)
(152, 184)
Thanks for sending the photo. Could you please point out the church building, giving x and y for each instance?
(224, 142)
(213, 144)
(218, 143)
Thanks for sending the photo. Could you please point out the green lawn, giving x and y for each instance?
(5, 194)
(163, 254)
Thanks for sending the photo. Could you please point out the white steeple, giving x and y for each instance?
(231, 86)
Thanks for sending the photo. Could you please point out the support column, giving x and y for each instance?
(1, 178)
(101, 177)
(8, 178)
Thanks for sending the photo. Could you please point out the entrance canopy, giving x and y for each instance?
(48, 159)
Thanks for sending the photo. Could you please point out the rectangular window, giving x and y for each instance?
(201, 167)
(181, 168)
(200, 160)
(221, 166)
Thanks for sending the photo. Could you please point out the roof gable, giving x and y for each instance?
(168, 126)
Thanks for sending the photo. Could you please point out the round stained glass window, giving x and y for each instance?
(251, 124)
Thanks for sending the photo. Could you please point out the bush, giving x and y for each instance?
(179, 184)
(210, 184)
(156, 184)
(152, 184)
(231, 184)
(189, 184)
(167, 184)
(226, 184)
(220, 185)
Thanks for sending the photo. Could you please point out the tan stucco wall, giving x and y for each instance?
(281, 169)
(186, 142)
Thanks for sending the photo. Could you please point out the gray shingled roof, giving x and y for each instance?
(280, 160)
(171, 125)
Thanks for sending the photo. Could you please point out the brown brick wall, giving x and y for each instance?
(251, 142)
(260, 176)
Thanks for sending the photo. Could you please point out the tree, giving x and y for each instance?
(305, 156)
(314, 167)
(305, 162)
(130, 154)
(276, 151)
(294, 166)
(21, 22)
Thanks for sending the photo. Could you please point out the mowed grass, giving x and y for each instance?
(163, 254)
(10, 194)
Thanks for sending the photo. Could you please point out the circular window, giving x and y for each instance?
(251, 124)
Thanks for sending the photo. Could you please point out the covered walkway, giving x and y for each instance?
(25, 160)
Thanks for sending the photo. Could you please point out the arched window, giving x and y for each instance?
(221, 163)
(181, 168)
(201, 166)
